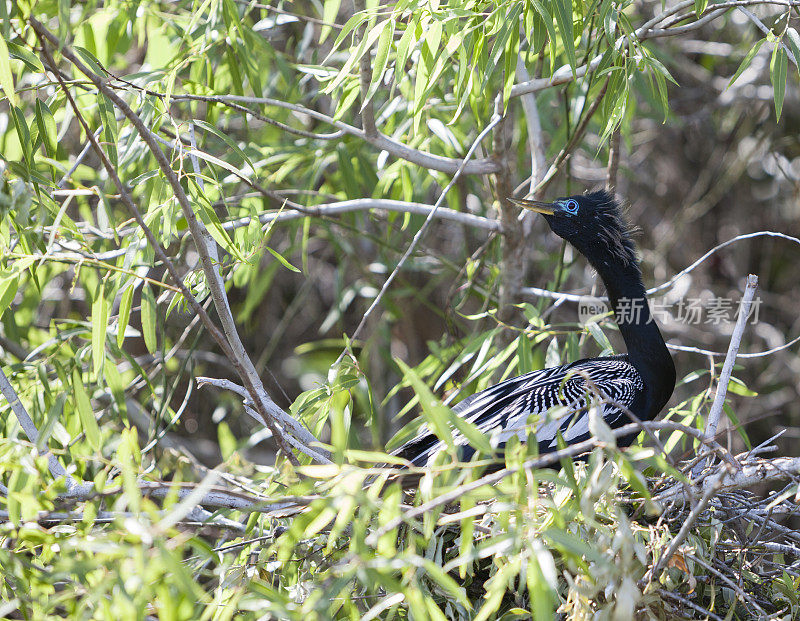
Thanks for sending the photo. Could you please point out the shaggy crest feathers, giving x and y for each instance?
(605, 220)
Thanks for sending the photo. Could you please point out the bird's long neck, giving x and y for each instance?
(647, 351)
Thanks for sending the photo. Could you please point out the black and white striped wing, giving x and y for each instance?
(503, 410)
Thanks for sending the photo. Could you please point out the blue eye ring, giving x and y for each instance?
(570, 206)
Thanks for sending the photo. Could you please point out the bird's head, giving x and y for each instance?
(593, 223)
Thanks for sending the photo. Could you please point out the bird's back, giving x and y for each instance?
(502, 411)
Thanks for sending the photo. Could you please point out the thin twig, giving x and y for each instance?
(733, 349)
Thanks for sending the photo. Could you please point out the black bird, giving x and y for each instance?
(640, 381)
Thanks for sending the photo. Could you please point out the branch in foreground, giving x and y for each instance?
(733, 349)
(366, 204)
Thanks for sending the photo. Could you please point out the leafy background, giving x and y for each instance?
(313, 116)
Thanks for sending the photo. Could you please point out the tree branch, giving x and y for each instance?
(733, 349)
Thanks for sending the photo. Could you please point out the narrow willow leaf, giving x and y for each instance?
(85, 413)
(226, 139)
(148, 315)
(352, 23)
(47, 127)
(435, 413)
(24, 134)
(551, 30)
(283, 260)
(100, 308)
(700, 7)
(381, 58)
(403, 49)
(125, 304)
(792, 39)
(6, 77)
(106, 109)
(329, 13)
(511, 56)
(8, 289)
(27, 57)
(564, 20)
(746, 61)
(777, 73)
(89, 59)
(53, 416)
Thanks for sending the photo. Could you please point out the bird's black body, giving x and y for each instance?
(640, 382)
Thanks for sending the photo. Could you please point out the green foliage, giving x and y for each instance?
(257, 109)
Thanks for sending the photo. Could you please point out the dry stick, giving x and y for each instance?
(420, 233)
(239, 390)
(232, 345)
(689, 603)
(733, 349)
(365, 75)
(535, 136)
(366, 204)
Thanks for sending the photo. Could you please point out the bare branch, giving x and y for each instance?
(365, 204)
(733, 349)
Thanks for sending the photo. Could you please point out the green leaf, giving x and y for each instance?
(777, 73)
(8, 289)
(329, 13)
(403, 50)
(282, 260)
(564, 20)
(100, 308)
(109, 121)
(792, 39)
(47, 127)
(746, 61)
(6, 77)
(90, 60)
(226, 139)
(381, 58)
(24, 55)
(24, 134)
(85, 413)
(551, 30)
(148, 315)
(700, 6)
(436, 413)
(125, 303)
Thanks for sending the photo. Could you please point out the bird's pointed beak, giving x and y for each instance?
(547, 209)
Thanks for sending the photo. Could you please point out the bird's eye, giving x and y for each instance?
(571, 206)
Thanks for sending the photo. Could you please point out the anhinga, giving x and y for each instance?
(640, 382)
